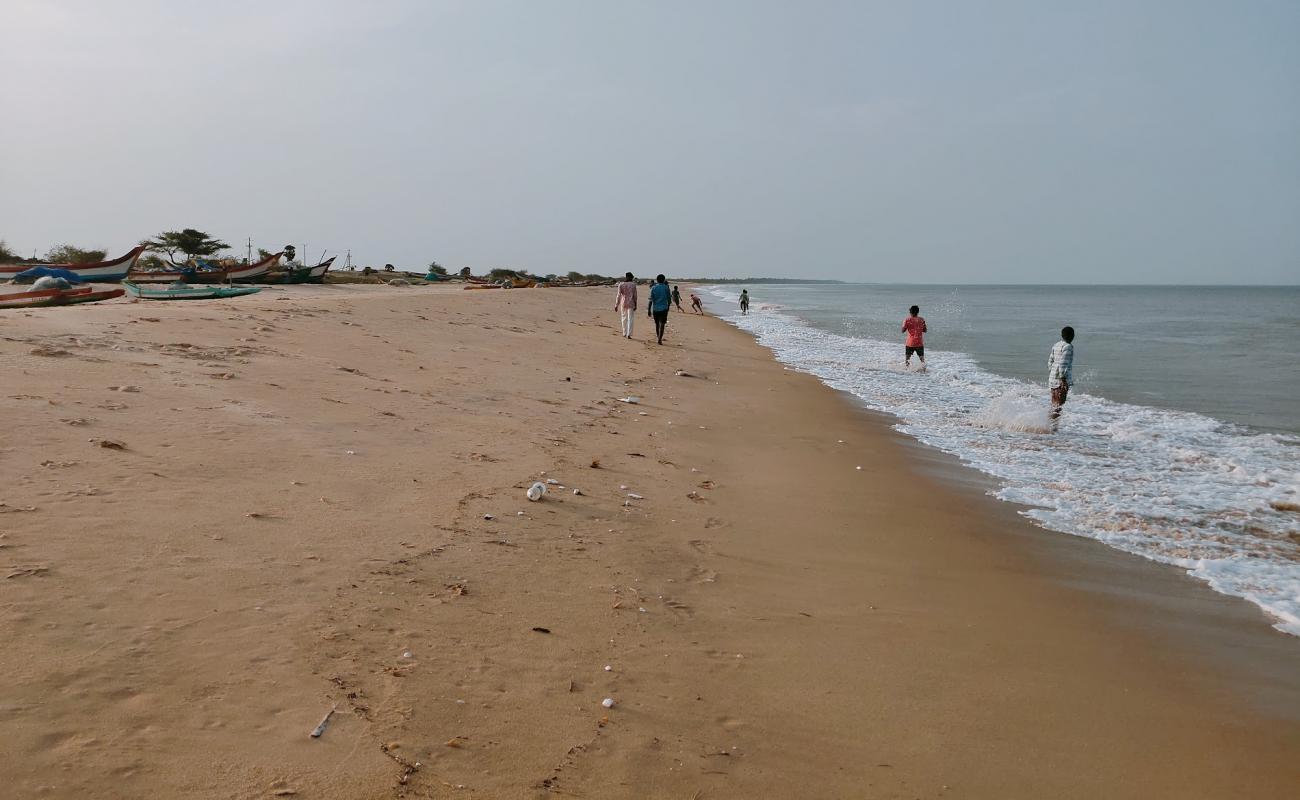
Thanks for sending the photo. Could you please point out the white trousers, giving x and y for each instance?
(625, 317)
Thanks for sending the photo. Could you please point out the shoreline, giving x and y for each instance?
(805, 622)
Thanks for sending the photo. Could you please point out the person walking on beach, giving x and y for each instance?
(696, 306)
(677, 298)
(914, 327)
(744, 301)
(661, 299)
(625, 304)
(1060, 372)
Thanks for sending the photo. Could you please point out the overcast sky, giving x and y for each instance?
(897, 141)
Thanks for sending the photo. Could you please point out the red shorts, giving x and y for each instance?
(1059, 394)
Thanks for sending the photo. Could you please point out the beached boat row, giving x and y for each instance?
(268, 270)
(61, 284)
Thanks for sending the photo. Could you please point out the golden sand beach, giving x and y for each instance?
(222, 520)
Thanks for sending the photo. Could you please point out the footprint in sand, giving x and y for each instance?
(700, 574)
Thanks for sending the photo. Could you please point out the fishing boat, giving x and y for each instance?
(185, 292)
(313, 274)
(40, 298)
(99, 272)
(241, 272)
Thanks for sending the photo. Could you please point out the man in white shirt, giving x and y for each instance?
(1060, 372)
(625, 304)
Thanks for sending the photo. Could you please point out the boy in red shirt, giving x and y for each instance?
(914, 327)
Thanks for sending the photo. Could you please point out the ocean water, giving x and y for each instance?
(1180, 441)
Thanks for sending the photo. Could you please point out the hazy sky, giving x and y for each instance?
(895, 141)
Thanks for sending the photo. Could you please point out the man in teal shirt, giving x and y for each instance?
(661, 298)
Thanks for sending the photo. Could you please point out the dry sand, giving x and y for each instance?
(290, 516)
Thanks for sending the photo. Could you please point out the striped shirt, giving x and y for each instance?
(1060, 365)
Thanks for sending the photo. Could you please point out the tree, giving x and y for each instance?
(67, 254)
(575, 277)
(263, 255)
(465, 272)
(8, 256)
(436, 268)
(189, 242)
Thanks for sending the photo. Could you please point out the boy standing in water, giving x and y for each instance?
(914, 327)
(744, 301)
(660, 301)
(677, 298)
(625, 304)
(1060, 372)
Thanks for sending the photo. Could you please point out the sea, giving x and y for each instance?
(1180, 441)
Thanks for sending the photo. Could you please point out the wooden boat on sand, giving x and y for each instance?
(99, 272)
(241, 272)
(185, 292)
(41, 298)
(312, 274)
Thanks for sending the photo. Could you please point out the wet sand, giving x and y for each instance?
(223, 519)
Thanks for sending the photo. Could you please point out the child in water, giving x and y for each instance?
(1060, 372)
(914, 327)
(744, 301)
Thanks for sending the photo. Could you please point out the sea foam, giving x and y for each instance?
(1172, 486)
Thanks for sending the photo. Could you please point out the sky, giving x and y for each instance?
(917, 142)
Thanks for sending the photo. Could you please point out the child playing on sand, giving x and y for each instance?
(696, 306)
(1060, 372)
(661, 299)
(625, 304)
(744, 301)
(914, 327)
(677, 298)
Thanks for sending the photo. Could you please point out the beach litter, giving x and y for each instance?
(488, 517)
(536, 492)
(608, 702)
(320, 727)
(552, 482)
(634, 496)
(539, 629)
(633, 399)
(577, 492)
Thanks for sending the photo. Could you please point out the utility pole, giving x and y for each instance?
(250, 250)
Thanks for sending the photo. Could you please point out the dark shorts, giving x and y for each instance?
(661, 317)
(920, 351)
(1059, 394)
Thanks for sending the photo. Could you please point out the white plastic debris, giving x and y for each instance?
(577, 491)
(633, 399)
(352, 452)
(519, 513)
(859, 467)
(623, 486)
(488, 516)
(407, 654)
(634, 496)
(608, 702)
(552, 482)
(609, 668)
(536, 491)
